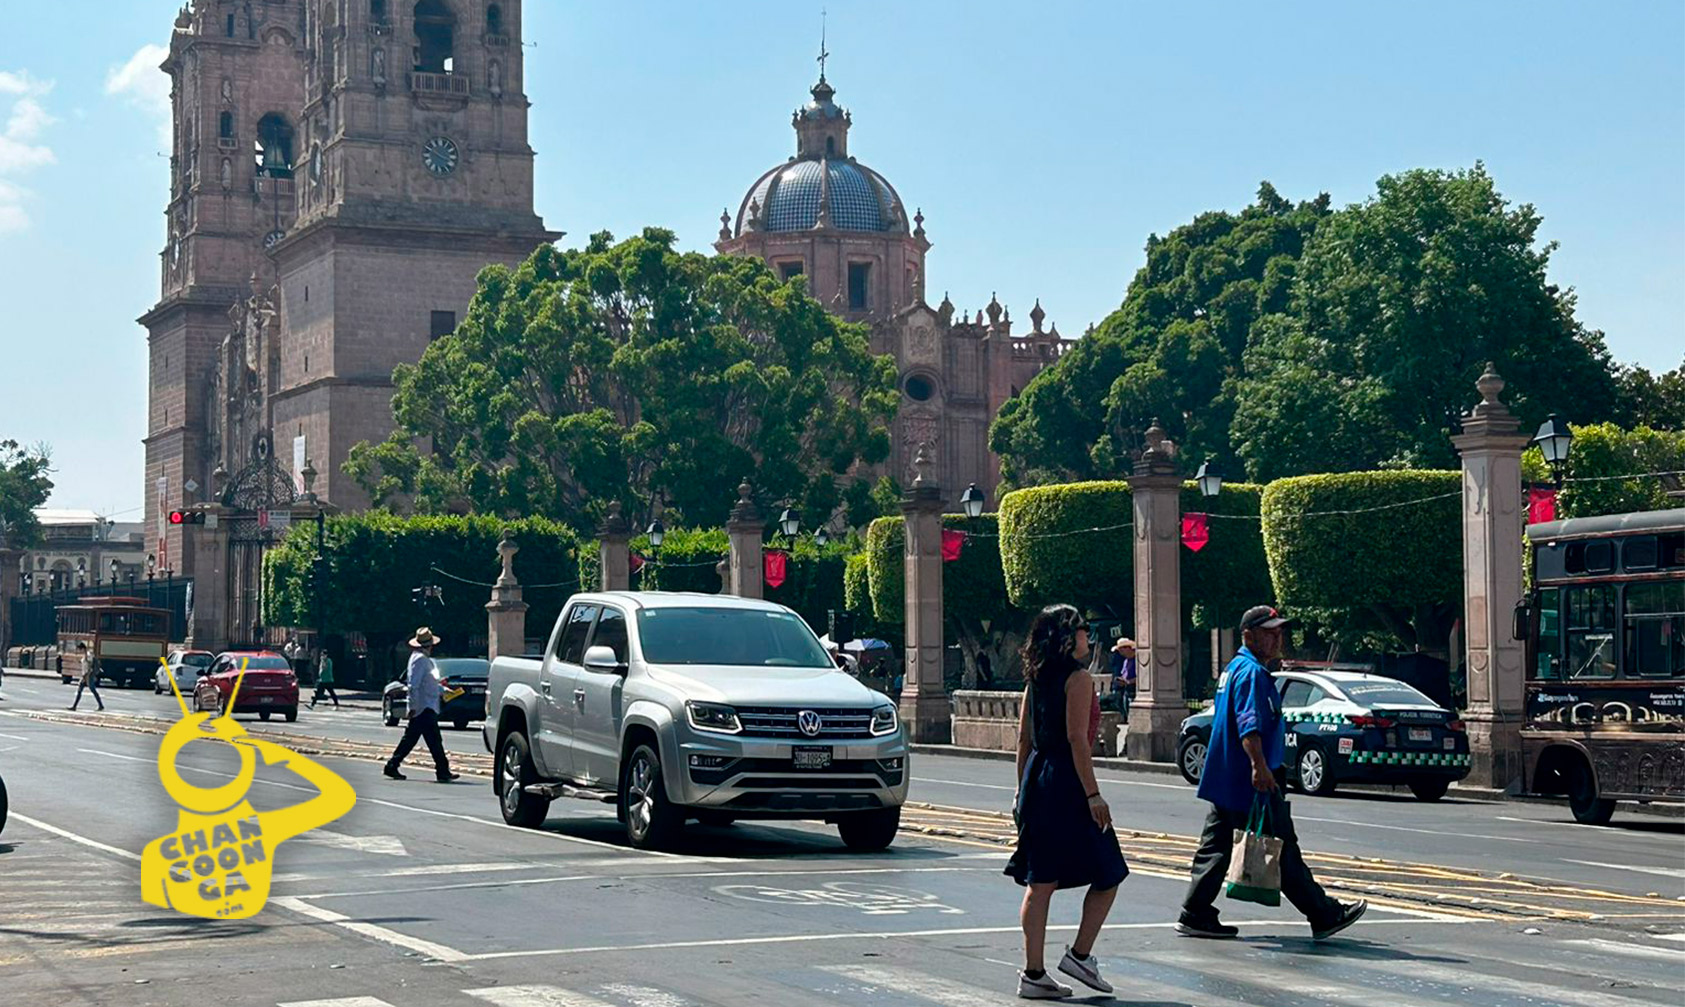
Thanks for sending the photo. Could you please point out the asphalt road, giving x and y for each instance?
(421, 897)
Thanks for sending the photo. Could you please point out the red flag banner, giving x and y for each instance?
(1196, 531)
(1541, 504)
(637, 562)
(952, 543)
(775, 564)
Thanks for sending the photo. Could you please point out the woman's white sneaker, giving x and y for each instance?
(1045, 988)
(1084, 970)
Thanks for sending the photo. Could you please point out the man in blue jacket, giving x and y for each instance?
(1245, 764)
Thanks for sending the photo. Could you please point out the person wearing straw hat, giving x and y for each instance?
(1123, 675)
(426, 688)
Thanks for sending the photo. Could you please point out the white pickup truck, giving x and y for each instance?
(682, 706)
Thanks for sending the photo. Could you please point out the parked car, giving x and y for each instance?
(690, 706)
(1353, 727)
(185, 666)
(466, 673)
(269, 687)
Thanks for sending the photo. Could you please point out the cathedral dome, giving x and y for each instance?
(821, 186)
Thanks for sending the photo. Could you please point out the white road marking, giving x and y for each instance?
(370, 930)
(646, 996)
(1669, 937)
(1634, 950)
(14, 737)
(404, 872)
(1002, 786)
(464, 886)
(1420, 970)
(390, 846)
(534, 996)
(338, 1002)
(943, 991)
(73, 837)
(1665, 872)
(130, 758)
(1400, 828)
(867, 935)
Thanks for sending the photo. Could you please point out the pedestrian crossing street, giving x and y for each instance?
(1233, 976)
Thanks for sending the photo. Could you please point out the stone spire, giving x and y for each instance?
(1037, 315)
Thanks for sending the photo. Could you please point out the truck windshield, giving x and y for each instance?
(738, 637)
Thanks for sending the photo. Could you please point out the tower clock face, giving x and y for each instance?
(440, 155)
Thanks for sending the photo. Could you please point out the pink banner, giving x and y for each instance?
(1196, 531)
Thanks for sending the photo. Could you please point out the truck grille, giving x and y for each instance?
(780, 722)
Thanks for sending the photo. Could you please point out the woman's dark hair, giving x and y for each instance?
(1053, 635)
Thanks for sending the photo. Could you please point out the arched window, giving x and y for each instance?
(274, 147)
(494, 19)
(225, 129)
(435, 37)
(830, 146)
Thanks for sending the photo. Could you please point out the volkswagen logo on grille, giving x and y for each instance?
(809, 722)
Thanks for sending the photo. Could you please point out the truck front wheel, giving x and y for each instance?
(652, 821)
(514, 772)
(869, 831)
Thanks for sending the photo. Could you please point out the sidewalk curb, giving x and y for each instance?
(303, 690)
(1483, 794)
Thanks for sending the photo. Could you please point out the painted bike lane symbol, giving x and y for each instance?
(872, 900)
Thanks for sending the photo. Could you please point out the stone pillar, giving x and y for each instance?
(9, 589)
(1159, 707)
(924, 696)
(1491, 444)
(614, 536)
(745, 530)
(506, 613)
(207, 545)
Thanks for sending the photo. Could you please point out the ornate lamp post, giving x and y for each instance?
(115, 568)
(1554, 440)
(973, 501)
(790, 522)
(1209, 479)
(821, 538)
(151, 572)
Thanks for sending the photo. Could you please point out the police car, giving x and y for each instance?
(1353, 727)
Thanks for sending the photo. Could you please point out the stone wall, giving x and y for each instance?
(989, 720)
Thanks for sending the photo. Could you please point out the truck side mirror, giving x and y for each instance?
(1522, 625)
(602, 661)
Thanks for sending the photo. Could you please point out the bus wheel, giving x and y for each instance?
(1588, 809)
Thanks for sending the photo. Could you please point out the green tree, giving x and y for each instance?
(24, 485)
(1398, 304)
(1652, 400)
(1601, 454)
(636, 373)
(1172, 350)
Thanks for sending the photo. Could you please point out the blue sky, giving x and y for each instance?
(1044, 142)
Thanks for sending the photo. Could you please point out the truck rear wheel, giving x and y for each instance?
(869, 831)
(1588, 808)
(652, 821)
(514, 772)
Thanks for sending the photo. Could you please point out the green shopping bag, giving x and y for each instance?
(1255, 865)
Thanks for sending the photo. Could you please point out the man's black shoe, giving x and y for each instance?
(392, 771)
(1350, 912)
(1211, 928)
(448, 777)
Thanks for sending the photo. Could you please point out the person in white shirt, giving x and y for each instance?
(425, 690)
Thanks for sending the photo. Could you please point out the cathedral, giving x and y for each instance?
(341, 172)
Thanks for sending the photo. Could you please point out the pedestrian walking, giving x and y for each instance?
(425, 690)
(324, 681)
(90, 677)
(1244, 767)
(1065, 835)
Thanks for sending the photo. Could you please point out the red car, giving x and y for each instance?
(269, 687)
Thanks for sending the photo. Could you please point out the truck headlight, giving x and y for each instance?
(885, 720)
(715, 717)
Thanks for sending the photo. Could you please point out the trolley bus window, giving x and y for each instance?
(1590, 629)
(1596, 556)
(1655, 630)
(1549, 657)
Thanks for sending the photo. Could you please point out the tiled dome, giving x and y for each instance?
(788, 197)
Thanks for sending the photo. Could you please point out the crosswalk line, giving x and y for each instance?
(338, 1002)
(646, 996)
(1467, 979)
(926, 987)
(533, 996)
(1633, 950)
(1193, 971)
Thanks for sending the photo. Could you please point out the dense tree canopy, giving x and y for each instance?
(633, 372)
(24, 486)
(1290, 339)
(1653, 400)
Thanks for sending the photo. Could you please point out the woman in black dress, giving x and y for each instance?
(1065, 837)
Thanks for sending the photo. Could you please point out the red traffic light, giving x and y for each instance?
(179, 517)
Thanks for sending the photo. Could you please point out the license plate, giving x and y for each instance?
(1421, 734)
(811, 758)
(1450, 744)
(266, 699)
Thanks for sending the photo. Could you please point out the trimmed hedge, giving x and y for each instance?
(972, 585)
(376, 558)
(1046, 556)
(686, 561)
(1403, 556)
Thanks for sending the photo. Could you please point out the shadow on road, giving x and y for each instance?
(1346, 948)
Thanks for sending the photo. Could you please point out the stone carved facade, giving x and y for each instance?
(840, 224)
(342, 170)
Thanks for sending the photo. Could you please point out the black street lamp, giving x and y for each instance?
(657, 534)
(1554, 440)
(821, 538)
(790, 522)
(151, 572)
(972, 501)
(81, 573)
(1209, 479)
(115, 566)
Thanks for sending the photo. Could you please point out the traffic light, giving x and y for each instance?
(179, 517)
